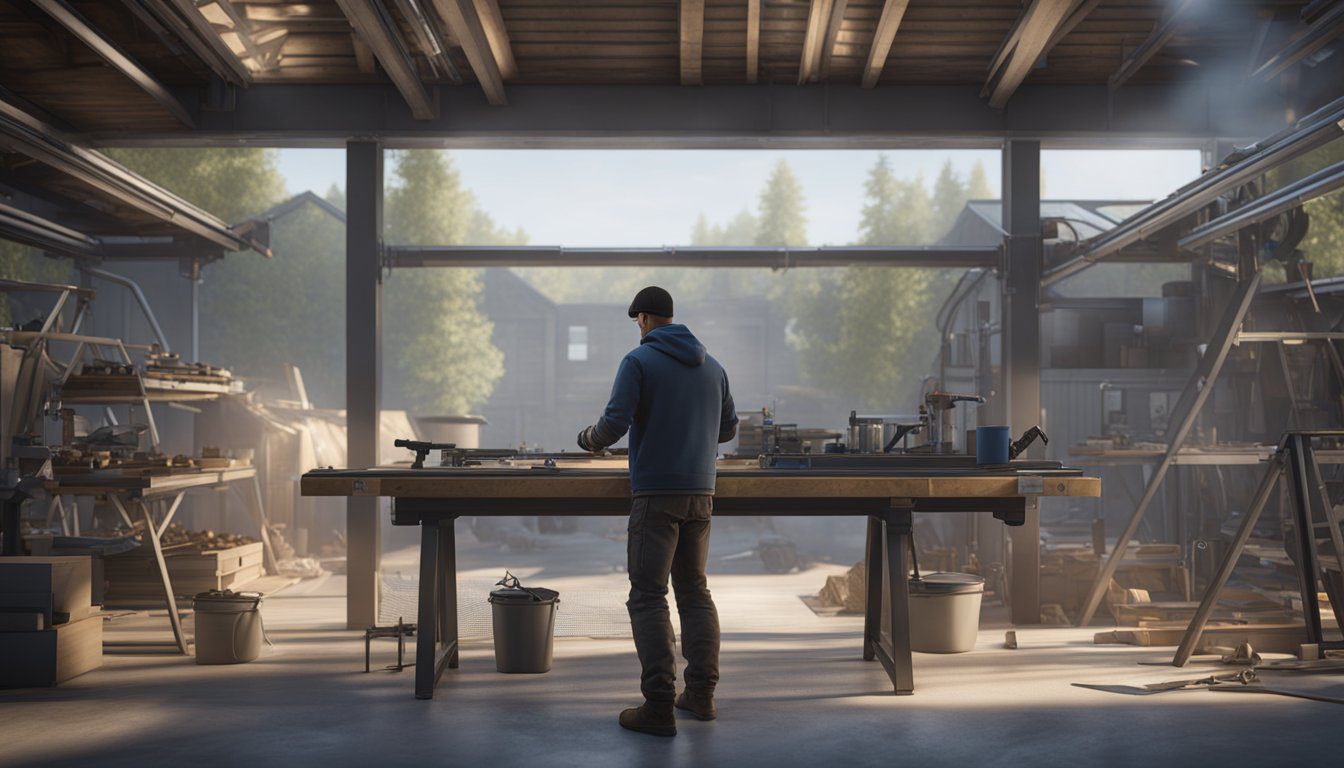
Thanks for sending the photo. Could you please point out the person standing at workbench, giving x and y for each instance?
(673, 398)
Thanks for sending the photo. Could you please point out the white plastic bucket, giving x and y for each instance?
(945, 612)
(228, 627)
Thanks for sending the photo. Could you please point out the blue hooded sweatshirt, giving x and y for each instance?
(673, 399)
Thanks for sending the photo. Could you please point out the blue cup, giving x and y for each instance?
(991, 445)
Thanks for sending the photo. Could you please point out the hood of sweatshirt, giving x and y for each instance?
(677, 342)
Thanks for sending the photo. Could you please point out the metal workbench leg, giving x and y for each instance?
(427, 620)
(1229, 562)
(448, 591)
(872, 604)
(901, 669)
(152, 533)
(1308, 568)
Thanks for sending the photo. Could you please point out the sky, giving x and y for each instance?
(653, 197)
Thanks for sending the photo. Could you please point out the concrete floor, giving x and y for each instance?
(794, 692)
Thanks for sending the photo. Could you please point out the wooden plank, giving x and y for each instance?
(465, 26)
(809, 68)
(753, 40)
(608, 486)
(492, 21)
(691, 25)
(1033, 32)
(378, 32)
(1161, 35)
(887, 25)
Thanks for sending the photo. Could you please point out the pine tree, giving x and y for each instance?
(949, 197)
(439, 357)
(978, 186)
(783, 212)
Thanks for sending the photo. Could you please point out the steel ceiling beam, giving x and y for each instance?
(404, 256)
(727, 116)
(30, 137)
(1314, 130)
(1280, 201)
(378, 31)
(465, 25)
(117, 58)
(893, 11)
(1327, 26)
(20, 226)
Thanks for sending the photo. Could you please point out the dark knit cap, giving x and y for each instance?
(652, 300)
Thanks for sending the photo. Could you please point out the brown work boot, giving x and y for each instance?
(700, 705)
(653, 717)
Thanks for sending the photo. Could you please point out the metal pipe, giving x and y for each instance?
(1316, 185)
(1312, 131)
(134, 288)
(405, 256)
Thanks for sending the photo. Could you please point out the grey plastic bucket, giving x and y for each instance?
(945, 612)
(228, 627)
(524, 625)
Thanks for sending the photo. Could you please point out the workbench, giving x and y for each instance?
(434, 498)
(159, 494)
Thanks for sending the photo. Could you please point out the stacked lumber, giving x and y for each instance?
(50, 631)
(195, 564)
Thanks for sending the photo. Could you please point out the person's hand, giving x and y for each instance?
(586, 441)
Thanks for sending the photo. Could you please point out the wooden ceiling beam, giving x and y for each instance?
(1161, 35)
(1028, 41)
(492, 21)
(832, 36)
(118, 59)
(691, 25)
(464, 24)
(379, 33)
(893, 11)
(429, 40)
(753, 40)
(818, 17)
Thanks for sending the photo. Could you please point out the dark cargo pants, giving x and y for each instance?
(669, 535)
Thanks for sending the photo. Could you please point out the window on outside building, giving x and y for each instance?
(578, 343)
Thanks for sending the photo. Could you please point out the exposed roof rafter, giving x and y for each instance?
(1026, 44)
(492, 21)
(691, 26)
(465, 26)
(753, 40)
(893, 11)
(379, 33)
(814, 41)
(119, 60)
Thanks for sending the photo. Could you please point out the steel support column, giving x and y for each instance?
(1022, 346)
(363, 291)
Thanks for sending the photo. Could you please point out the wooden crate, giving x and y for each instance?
(51, 656)
(136, 575)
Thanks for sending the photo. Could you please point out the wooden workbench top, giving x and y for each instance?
(529, 482)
